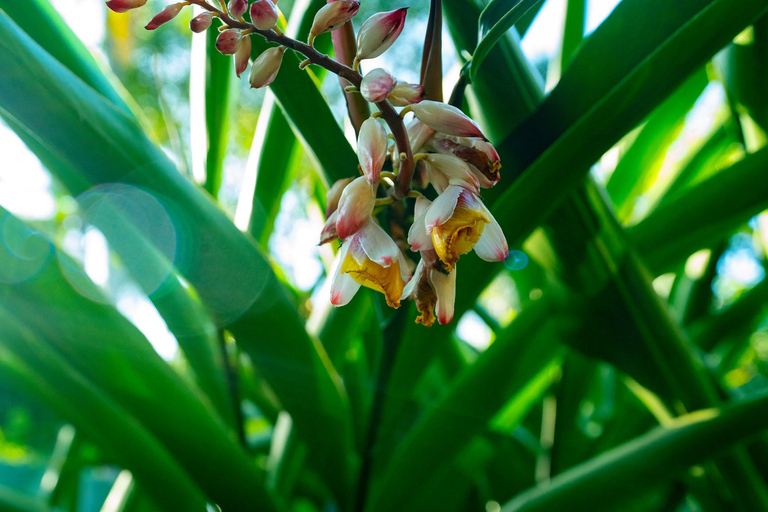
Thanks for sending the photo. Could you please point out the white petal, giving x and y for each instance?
(442, 208)
(355, 207)
(372, 149)
(445, 289)
(454, 169)
(418, 237)
(418, 134)
(446, 119)
(378, 245)
(343, 287)
(492, 245)
(411, 286)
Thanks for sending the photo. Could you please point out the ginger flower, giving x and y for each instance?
(369, 258)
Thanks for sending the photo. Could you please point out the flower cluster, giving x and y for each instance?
(451, 158)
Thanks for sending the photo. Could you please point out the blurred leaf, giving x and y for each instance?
(495, 20)
(640, 165)
(703, 215)
(648, 460)
(519, 354)
(245, 298)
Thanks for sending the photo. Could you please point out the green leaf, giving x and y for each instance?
(703, 215)
(495, 20)
(245, 298)
(654, 458)
(505, 370)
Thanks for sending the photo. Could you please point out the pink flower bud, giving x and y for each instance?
(355, 207)
(446, 119)
(165, 15)
(125, 5)
(265, 67)
(242, 55)
(264, 14)
(332, 16)
(201, 22)
(229, 41)
(328, 234)
(379, 32)
(237, 8)
(406, 94)
(372, 149)
(376, 85)
(334, 194)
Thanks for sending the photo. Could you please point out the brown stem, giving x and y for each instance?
(388, 113)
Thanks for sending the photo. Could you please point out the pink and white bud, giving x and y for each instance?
(379, 32)
(264, 14)
(165, 15)
(446, 119)
(406, 94)
(355, 207)
(237, 8)
(229, 41)
(265, 67)
(332, 16)
(376, 85)
(372, 149)
(329, 234)
(334, 194)
(243, 55)
(125, 5)
(480, 155)
(201, 22)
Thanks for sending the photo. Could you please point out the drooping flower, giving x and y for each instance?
(125, 5)
(264, 14)
(372, 259)
(458, 221)
(433, 290)
(379, 32)
(446, 170)
(332, 16)
(201, 22)
(229, 41)
(372, 149)
(446, 119)
(355, 207)
(165, 15)
(265, 67)
(480, 155)
(243, 55)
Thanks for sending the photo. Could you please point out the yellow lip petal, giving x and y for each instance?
(386, 280)
(458, 235)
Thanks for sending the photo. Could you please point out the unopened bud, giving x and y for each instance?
(406, 94)
(446, 119)
(265, 67)
(201, 22)
(372, 149)
(376, 85)
(165, 15)
(229, 41)
(379, 32)
(334, 194)
(243, 55)
(237, 8)
(264, 14)
(125, 5)
(332, 16)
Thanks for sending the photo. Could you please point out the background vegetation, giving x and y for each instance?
(153, 356)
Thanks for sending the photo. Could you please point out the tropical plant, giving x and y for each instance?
(617, 359)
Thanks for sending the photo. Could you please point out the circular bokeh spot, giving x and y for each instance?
(517, 260)
(23, 251)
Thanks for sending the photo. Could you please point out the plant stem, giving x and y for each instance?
(392, 336)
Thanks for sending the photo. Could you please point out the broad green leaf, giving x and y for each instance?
(573, 31)
(111, 353)
(246, 298)
(640, 165)
(494, 24)
(654, 458)
(31, 364)
(473, 398)
(703, 215)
